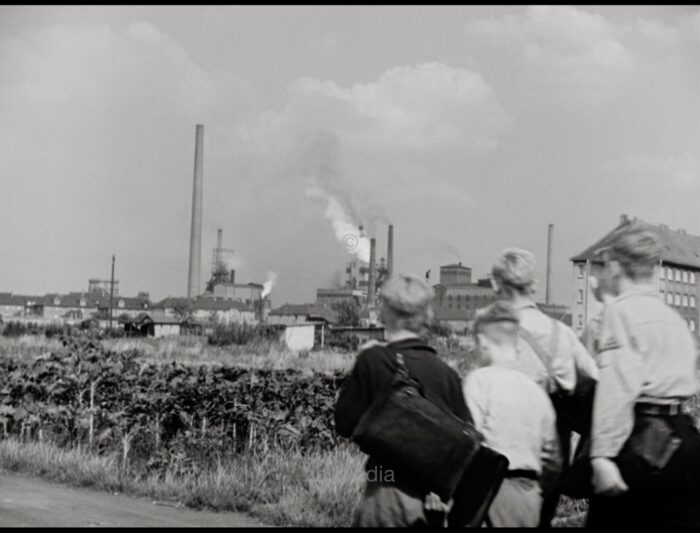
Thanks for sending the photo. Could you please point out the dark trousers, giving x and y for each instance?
(551, 499)
(666, 498)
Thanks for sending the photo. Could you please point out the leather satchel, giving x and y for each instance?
(408, 430)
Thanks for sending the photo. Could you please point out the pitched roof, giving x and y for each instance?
(203, 304)
(7, 298)
(172, 301)
(307, 310)
(677, 246)
(215, 304)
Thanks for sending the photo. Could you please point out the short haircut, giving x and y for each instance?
(409, 298)
(498, 322)
(638, 251)
(514, 270)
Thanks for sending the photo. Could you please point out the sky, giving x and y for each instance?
(470, 128)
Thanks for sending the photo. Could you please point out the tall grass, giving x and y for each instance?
(281, 487)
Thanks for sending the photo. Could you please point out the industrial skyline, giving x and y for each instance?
(486, 126)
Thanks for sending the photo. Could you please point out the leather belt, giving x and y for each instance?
(655, 409)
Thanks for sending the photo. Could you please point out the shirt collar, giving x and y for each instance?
(410, 343)
(636, 290)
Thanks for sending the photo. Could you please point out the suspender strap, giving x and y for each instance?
(545, 357)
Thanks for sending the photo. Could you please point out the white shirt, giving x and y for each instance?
(515, 416)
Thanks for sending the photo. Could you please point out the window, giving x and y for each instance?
(685, 300)
(685, 276)
(669, 298)
(692, 301)
(580, 270)
(678, 275)
(661, 293)
(580, 322)
(580, 296)
(662, 273)
(691, 324)
(678, 299)
(692, 278)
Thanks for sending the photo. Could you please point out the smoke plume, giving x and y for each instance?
(267, 286)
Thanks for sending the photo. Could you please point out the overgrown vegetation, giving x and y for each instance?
(181, 420)
(243, 333)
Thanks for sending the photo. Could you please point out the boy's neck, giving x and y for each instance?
(396, 335)
(505, 356)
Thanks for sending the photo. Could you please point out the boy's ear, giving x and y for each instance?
(615, 268)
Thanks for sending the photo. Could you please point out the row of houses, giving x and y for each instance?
(74, 308)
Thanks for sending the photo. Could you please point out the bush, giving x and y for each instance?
(244, 333)
(17, 329)
(342, 342)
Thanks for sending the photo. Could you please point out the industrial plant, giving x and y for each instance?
(224, 299)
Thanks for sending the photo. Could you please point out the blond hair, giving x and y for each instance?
(638, 251)
(407, 300)
(514, 271)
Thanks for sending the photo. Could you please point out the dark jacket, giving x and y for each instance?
(374, 370)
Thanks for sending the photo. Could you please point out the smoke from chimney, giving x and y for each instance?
(267, 286)
(195, 263)
(345, 229)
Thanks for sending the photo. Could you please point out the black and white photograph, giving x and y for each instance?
(349, 266)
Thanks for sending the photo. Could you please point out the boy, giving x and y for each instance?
(515, 416)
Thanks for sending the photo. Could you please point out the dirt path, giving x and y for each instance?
(26, 501)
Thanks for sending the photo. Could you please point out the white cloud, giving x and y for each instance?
(567, 44)
(101, 66)
(430, 107)
(680, 172)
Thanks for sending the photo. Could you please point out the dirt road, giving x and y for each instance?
(26, 501)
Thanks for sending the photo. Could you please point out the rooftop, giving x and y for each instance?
(677, 246)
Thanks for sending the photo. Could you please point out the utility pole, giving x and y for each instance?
(111, 293)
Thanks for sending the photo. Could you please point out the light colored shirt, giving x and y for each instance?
(568, 359)
(590, 337)
(515, 416)
(647, 354)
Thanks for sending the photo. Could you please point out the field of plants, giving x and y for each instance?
(231, 428)
(161, 415)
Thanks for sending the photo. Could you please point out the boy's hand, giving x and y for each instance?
(607, 480)
(435, 504)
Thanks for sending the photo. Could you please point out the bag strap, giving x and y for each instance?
(545, 357)
(402, 368)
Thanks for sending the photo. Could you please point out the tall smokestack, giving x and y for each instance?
(219, 233)
(548, 289)
(194, 275)
(371, 286)
(390, 251)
